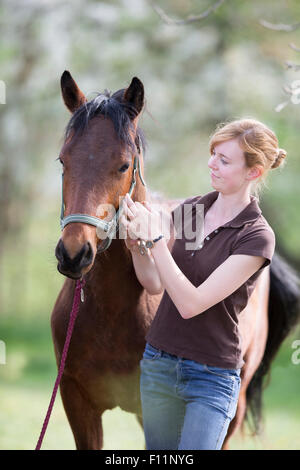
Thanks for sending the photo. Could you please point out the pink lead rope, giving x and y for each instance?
(77, 295)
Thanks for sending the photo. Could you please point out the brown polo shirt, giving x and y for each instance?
(212, 337)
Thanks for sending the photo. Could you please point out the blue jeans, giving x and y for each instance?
(186, 405)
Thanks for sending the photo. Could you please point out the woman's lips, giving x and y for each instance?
(214, 176)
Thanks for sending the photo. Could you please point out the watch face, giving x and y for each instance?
(149, 244)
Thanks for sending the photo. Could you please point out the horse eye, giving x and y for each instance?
(124, 168)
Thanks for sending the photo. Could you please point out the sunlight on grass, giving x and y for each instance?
(23, 411)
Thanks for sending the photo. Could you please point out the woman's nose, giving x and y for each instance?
(212, 162)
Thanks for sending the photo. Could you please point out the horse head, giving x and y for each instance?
(102, 148)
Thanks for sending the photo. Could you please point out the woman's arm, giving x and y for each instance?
(146, 272)
(144, 265)
(146, 269)
(190, 300)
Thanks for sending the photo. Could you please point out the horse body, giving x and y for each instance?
(253, 326)
(108, 338)
(102, 367)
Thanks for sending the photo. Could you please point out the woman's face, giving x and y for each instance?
(229, 172)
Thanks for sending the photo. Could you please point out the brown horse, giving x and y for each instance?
(102, 142)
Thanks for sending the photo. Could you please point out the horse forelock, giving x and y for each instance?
(113, 107)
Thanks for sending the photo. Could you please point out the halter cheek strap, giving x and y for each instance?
(109, 227)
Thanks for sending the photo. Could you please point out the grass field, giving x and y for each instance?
(27, 379)
(23, 411)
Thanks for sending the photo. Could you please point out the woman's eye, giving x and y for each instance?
(60, 160)
(224, 161)
(124, 168)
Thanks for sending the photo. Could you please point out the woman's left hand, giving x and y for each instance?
(140, 219)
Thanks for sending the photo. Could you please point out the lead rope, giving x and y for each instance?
(77, 296)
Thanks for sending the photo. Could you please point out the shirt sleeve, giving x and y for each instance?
(257, 242)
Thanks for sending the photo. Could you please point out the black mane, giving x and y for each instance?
(112, 106)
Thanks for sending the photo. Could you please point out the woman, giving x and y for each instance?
(190, 371)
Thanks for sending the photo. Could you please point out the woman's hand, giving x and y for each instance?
(140, 220)
(132, 244)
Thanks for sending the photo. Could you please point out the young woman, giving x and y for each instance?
(190, 371)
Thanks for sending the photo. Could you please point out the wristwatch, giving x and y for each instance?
(143, 245)
(150, 243)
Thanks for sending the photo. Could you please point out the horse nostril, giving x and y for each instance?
(59, 253)
(87, 257)
(83, 258)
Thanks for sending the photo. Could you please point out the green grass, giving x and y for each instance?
(23, 410)
(27, 379)
(22, 413)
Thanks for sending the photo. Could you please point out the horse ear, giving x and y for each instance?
(72, 95)
(134, 94)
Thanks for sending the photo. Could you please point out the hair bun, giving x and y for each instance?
(281, 155)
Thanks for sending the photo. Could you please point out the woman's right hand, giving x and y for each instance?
(132, 244)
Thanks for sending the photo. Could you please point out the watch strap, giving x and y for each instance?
(158, 238)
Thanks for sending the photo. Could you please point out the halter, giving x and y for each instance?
(108, 227)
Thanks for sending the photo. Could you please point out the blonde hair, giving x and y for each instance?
(258, 142)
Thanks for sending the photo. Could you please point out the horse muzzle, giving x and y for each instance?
(76, 266)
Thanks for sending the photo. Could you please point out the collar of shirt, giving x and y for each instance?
(247, 215)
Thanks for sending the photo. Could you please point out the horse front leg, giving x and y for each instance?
(85, 420)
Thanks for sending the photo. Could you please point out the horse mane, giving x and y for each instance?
(112, 106)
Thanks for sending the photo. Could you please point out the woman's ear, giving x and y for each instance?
(254, 173)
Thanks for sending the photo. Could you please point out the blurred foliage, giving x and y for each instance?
(195, 75)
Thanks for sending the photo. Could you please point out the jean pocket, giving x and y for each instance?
(221, 372)
(151, 353)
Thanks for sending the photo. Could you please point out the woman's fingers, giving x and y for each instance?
(147, 205)
(131, 243)
(134, 206)
(127, 228)
(130, 203)
(123, 222)
(130, 212)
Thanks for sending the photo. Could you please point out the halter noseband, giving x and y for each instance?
(108, 227)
